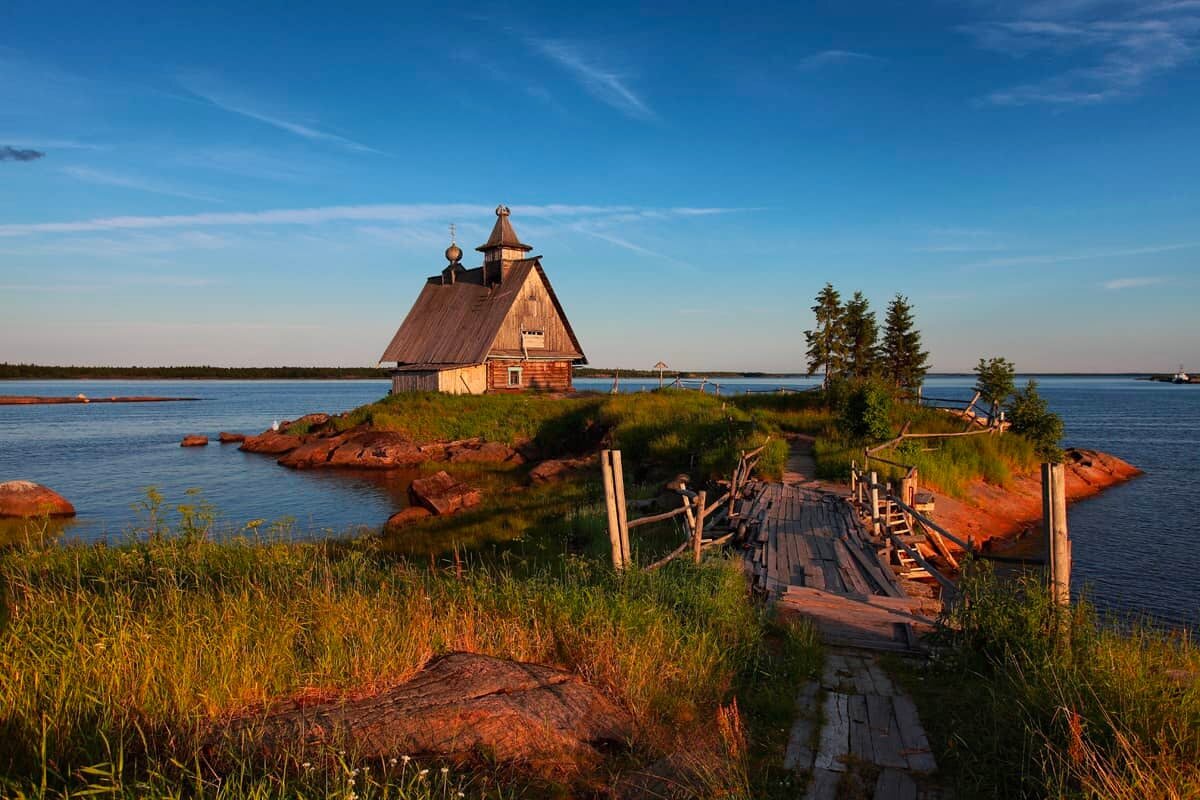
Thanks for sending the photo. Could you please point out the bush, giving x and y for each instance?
(866, 412)
(1033, 419)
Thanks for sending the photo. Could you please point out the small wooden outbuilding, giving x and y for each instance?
(495, 328)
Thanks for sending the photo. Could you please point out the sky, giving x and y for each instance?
(269, 183)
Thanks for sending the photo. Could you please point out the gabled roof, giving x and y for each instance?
(503, 234)
(457, 323)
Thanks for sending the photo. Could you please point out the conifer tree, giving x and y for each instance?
(861, 334)
(826, 343)
(901, 360)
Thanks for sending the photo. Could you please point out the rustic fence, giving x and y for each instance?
(701, 515)
(879, 503)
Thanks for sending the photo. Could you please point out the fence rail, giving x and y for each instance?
(701, 514)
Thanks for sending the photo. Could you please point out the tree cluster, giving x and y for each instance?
(846, 343)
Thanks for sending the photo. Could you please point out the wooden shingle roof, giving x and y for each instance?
(503, 234)
(454, 324)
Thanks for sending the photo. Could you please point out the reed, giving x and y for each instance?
(116, 659)
(1026, 703)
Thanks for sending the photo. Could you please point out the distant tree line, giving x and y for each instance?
(39, 371)
(846, 343)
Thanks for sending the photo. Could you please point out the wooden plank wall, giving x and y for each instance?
(533, 310)
(535, 375)
(414, 382)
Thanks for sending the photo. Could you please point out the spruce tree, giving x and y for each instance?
(826, 344)
(861, 334)
(901, 359)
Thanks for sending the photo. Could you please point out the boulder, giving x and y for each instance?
(313, 453)
(377, 450)
(555, 469)
(463, 707)
(406, 517)
(271, 443)
(442, 495)
(225, 437)
(193, 440)
(484, 453)
(29, 499)
(309, 420)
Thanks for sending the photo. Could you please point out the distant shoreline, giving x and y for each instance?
(18, 372)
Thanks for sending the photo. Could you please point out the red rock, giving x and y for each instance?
(29, 499)
(194, 441)
(313, 453)
(442, 494)
(225, 437)
(485, 453)
(406, 517)
(556, 469)
(272, 443)
(377, 450)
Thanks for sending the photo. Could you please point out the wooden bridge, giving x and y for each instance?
(855, 734)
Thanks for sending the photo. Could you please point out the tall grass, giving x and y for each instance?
(130, 652)
(1025, 702)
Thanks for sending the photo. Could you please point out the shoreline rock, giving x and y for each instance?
(442, 494)
(999, 515)
(28, 499)
(192, 440)
(225, 437)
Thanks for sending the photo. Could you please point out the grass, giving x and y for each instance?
(947, 465)
(1024, 703)
(117, 658)
(670, 430)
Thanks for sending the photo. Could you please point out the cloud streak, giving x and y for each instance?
(9, 153)
(1125, 49)
(1060, 258)
(827, 58)
(245, 109)
(600, 81)
(107, 178)
(395, 213)
(1132, 283)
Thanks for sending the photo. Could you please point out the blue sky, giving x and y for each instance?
(268, 183)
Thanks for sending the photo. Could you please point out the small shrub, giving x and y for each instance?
(1032, 418)
(867, 411)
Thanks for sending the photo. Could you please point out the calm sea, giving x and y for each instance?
(1135, 546)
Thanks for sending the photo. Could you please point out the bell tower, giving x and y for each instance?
(501, 249)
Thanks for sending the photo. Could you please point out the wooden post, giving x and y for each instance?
(622, 511)
(854, 479)
(874, 503)
(610, 504)
(1062, 541)
(698, 531)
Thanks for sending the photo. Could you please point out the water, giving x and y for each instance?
(1134, 545)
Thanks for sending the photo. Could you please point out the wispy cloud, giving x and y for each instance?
(1132, 283)
(410, 213)
(601, 81)
(1125, 43)
(1059, 258)
(48, 143)
(826, 58)
(107, 178)
(242, 107)
(9, 153)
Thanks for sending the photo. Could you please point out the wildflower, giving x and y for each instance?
(349, 781)
(406, 759)
(307, 765)
(423, 773)
(392, 761)
(460, 794)
(445, 770)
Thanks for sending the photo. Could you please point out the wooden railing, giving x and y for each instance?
(701, 515)
(872, 499)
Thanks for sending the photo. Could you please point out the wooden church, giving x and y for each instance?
(495, 328)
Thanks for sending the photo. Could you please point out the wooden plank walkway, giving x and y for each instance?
(855, 734)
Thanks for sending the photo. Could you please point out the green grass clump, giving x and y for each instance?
(1024, 702)
(127, 653)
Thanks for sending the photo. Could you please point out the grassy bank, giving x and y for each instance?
(126, 654)
(668, 430)
(1016, 709)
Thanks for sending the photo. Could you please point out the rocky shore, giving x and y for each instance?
(993, 514)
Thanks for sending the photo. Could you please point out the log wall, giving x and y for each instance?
(545, 376)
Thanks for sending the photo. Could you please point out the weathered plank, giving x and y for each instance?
(915, 744)
(835, 733)
(799, 754)
(885, 732)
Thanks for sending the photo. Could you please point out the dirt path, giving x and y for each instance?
(800, 467)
